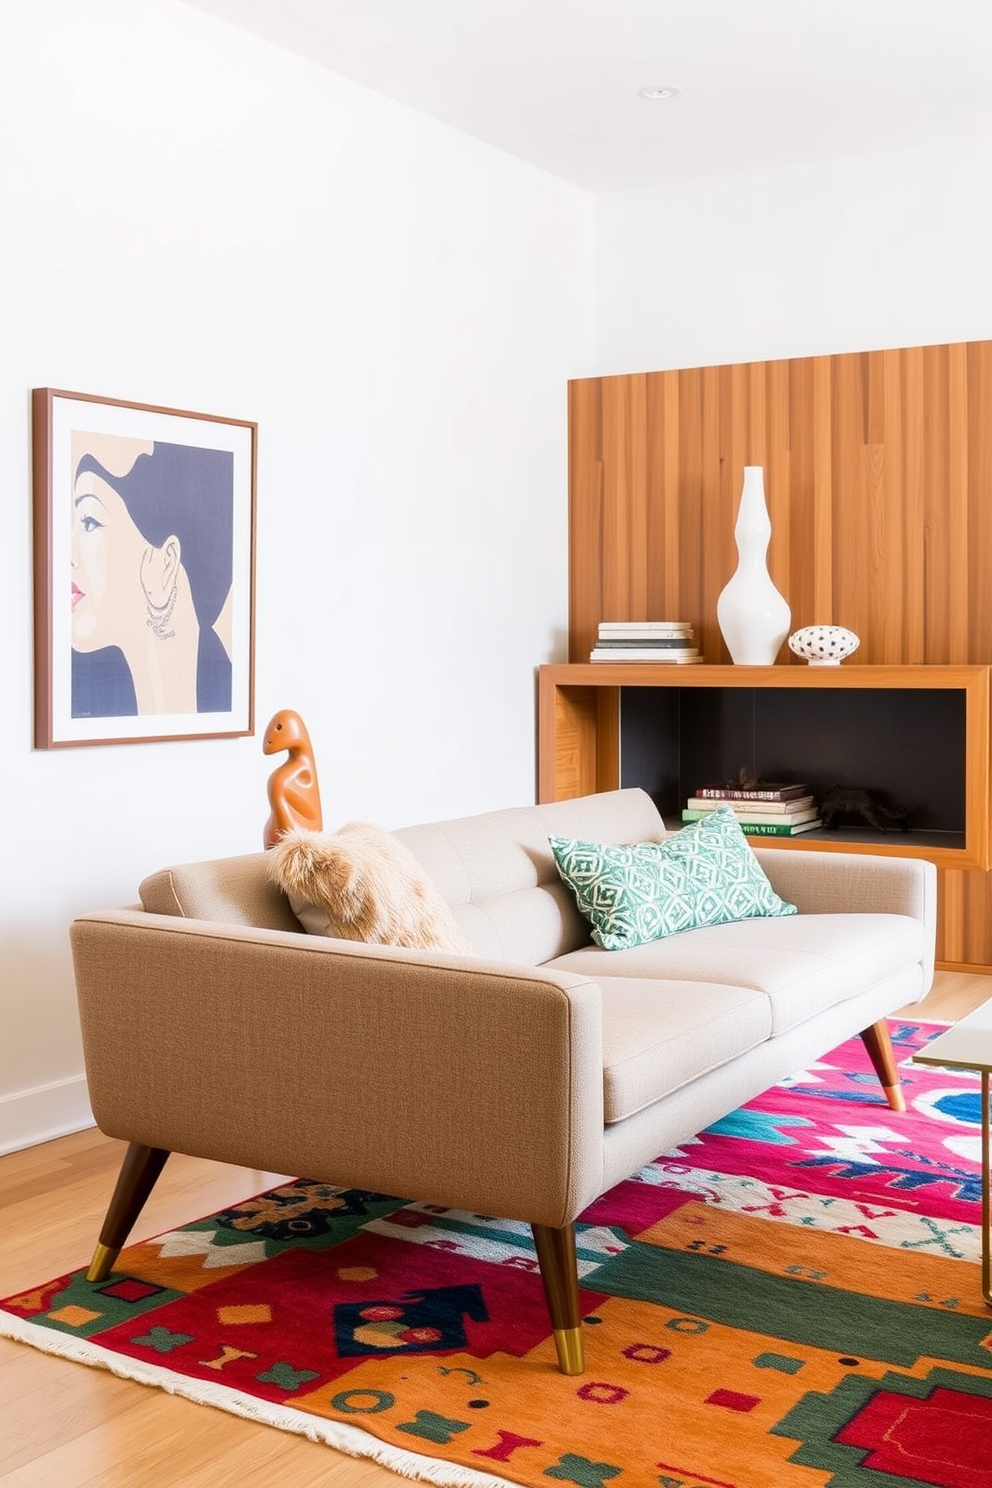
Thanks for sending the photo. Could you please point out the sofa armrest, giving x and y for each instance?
(856, 883)
(446, 1079)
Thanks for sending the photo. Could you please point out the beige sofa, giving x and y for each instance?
(520, 1082)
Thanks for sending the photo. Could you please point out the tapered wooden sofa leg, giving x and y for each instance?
(135, 1181)
(556, 1255)
(879, 1046)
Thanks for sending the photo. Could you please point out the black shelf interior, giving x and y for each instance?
(905, 744)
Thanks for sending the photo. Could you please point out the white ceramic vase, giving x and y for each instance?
(752, 615)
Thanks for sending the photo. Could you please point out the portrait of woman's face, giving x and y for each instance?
(151, 557)
(106, 556)
(153, 624)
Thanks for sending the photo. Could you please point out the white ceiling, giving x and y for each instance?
(764, 82)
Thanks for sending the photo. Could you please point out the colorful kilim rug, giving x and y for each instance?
(790, 1298)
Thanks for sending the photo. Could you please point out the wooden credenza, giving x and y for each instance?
(918, 735)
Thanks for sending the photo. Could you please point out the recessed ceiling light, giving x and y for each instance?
(660, 90)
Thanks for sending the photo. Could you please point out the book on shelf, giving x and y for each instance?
(707, 803)
(644, 627)
(758, 818)
(644, 653)
(661, 642)
(778, 829)
(767, 791)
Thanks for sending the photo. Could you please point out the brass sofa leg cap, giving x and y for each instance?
(102, 1263)
(568, 1342)
(895, 1097)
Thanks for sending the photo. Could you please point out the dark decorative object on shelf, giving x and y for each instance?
(867, 805)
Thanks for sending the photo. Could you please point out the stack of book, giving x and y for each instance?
(766, 810)
(645, 640)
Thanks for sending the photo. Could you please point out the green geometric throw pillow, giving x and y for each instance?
(706, 874)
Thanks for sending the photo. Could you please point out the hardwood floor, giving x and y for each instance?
(70, 1426)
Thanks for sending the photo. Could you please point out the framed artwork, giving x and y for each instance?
(144, 545)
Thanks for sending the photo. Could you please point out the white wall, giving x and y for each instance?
(192, 218)
(853, 255)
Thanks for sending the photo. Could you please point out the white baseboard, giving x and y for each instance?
(31, 1116)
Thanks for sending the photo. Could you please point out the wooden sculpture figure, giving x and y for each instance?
(294, 796)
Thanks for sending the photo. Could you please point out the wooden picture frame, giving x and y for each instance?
(152, 512)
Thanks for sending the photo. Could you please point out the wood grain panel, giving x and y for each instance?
(978, 392)
(585, 460)
(936, 597)
(909, 517)
(806, 457)
(667, 591)
(952, 522)
(878, 476)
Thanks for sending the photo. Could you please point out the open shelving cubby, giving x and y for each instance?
(917, 735)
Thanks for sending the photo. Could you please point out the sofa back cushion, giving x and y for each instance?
(498, 872)
(237, 891)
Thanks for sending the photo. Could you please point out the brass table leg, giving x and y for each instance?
(556, 1256)
(139, 1171)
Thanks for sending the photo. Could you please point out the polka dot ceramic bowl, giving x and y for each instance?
(823, 645)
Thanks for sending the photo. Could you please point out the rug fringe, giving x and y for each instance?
(337, 1434)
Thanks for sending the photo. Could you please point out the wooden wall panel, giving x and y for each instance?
(878, 476)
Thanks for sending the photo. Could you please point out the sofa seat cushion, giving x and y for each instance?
(656, 1039)
(803, 964)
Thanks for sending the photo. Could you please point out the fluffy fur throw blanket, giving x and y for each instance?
(361, 883)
